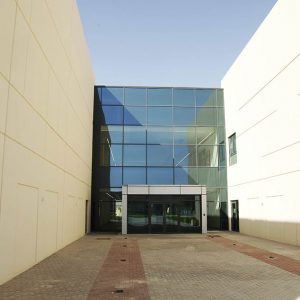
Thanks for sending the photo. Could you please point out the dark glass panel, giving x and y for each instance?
(205, 97)
(113, 115)
(207, 156)
(135, 96)
(110, 176)
(222, 155)
(134, 155)
(112, 96)
(159, 155)
(110, 218)
(159, 175)
(135, 115)
(134, 135)
(183, 97)
(206, 116)
(157, 217)
(184, 116)
(160, 116)
(158, 96)
(190, 220)
(110, 155)
(110, 196)
(137, 214)
(206, 136)
(112, 134)
(134, 175)
(184, 135)
(159, 135)
(185, 155)
(213, 208)
(186, 175)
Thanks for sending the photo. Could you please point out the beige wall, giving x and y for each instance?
(262, 105)
(46, 104)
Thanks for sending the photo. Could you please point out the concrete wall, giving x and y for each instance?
(46, 103)
(262, 105)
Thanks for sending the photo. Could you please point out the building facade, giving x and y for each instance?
(262, 108)
(158, 136)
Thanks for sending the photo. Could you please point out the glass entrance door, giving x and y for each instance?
(157, 217)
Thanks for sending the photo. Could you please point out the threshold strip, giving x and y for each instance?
(122, 273)
(283, 262)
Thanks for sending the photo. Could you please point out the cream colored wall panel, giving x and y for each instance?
(7, 22)
(25, 6)
(47, 224)
(20, 49)
(1, 161)
(24, 125)
(3, 102)
(26, 227)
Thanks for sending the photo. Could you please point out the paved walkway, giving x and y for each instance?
(213, 266)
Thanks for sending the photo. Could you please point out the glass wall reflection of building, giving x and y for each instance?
(157, 136)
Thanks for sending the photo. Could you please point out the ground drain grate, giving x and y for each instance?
(123, 259)
(103, 239)
(118, 291)
(124, 245)
(271, 257)
(213, 236)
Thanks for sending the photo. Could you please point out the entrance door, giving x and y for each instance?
(157, 217)
(235, 215)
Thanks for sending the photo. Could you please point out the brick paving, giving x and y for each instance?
(163, 267)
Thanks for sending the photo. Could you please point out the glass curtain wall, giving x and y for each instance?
(156, 136)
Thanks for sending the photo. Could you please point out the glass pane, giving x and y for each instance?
(207, 156)
(112, 96)
(190, 216)
(111, 155)
(135, 96)
(159, 175)
(208, 176)
(134, 175)
(110, 216)
(222, 155)
(220, 98)
(221, 135)
(205, 97)
(221, 117)
(110, 196)
(206, 136)
(110, 176)
(186, 176)
(184, 116)
(158, 155)
(206, 116)
(160, 115)
(134, 155)
(137, 216)
(159, 135)
(135, 115)
(134, 135)
(184, 135)
(157, 217)
(223, 177)
(113, 114)
(159, 96)
(183, 97)
(111, 133)
(185, 156)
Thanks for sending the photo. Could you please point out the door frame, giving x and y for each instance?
(235, 217)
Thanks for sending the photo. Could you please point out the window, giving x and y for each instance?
(232, 149)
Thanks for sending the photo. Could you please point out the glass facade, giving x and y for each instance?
(156, 136)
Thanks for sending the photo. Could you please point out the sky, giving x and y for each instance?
(187, 43)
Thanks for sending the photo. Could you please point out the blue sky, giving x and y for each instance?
(168, 42)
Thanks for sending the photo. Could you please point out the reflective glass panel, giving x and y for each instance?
(159, 155)
(111, 155)
(135, 115)
(113, 114)
(134, 175)
(220, 98)
(134, 135)
(134, 155)
(160, 116)
(222, 155)
(184, 116)
(206, 136)
(206, 116)
(159, 135)
(137, 215)
(185, 155)
(208, 176)
(159, 96)
(159, 175)
(221, 117)
(112, 134)
(135, 96)
(110, 196)
(183, 97)
(186, 176)
(110, 176)
(184, 135)
(223, 177)
(221, 135)
(207, 156)
(112, 96)
(205, 97)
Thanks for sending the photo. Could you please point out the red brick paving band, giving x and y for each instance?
(122, 273)
(285, 263)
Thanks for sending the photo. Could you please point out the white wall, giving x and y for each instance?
(262, 105)
(46, 103)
